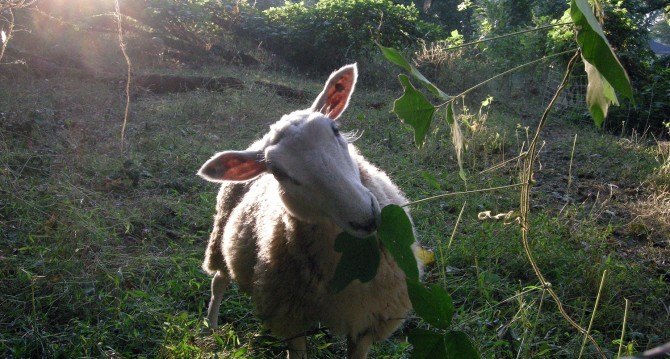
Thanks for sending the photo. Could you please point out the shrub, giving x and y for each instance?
(335, 31)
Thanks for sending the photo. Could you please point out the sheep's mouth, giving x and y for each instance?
(367, 227)
(371, 225)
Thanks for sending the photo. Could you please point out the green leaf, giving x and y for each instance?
(433, 305)
(427, 344)
(395, 57)
(432, 180)
(397, 235)
(414, 109)
(459, 346)
(240, 352)
(599, 94)
(360, 259)
(597, 50)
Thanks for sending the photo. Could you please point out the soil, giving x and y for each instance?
(638, 213)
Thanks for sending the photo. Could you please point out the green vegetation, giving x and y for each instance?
(100, 244)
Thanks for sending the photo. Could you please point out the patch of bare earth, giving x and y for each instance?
(638, 209)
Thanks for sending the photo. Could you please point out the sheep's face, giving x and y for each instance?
(307, 155)
(319, 180)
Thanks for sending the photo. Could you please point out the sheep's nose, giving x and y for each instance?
(368, 227)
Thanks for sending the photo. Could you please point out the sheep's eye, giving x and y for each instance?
(336, 131)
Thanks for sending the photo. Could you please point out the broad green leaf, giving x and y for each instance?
(599, 94)
(597, 50)
(397, 235)
(459, 346)
(395, 57)
(414, 109)
(433, 305)
(427, 344)
(457, 139)
(360, 260)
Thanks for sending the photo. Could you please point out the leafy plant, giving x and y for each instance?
(333, 32)
(605, 76)
(432, 304)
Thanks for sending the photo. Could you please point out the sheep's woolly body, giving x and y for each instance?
(286, 264)
(281, 205)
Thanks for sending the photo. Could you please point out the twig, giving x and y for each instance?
(459, 193)
(527, 183)
(128, 65)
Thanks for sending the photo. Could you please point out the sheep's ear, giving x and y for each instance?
(233, 166)
(334, 98)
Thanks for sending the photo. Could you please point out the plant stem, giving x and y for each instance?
(503, 74)
(458, 193)
(572, 155)
(595, 310)
(527, 183)
(507, 35)
(623, 329)
(122, 44)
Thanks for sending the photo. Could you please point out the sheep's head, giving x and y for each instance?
(305, 152)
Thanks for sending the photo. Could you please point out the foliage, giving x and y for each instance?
(335, 31)
(651, 108)
(188, 21)
(434, 304)
(93, 265)
(414, 108)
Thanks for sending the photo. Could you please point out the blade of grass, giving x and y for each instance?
(572, 156)
(623, 329)
(595, 310)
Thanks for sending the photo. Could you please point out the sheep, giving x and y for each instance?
(281, 204)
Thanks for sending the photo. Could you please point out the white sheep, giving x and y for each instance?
(281, 205)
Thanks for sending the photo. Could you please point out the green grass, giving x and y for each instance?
(100, 247)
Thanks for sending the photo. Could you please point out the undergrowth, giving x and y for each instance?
(100, 248)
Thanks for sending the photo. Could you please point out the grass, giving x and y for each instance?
(100, 248)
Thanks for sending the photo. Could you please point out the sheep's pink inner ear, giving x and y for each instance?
(233, 166)
(335, 96)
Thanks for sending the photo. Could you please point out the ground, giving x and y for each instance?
(101, 239)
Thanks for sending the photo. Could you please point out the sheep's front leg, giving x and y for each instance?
(297, 348)
(219, 284)
(359, 347)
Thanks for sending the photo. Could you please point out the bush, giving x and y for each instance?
(334, 32)
(651, 110)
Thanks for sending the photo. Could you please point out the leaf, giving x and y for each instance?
(426, 256)
(397, 235)
(427, 344)
(597, 50)
(459, 346)
(395, 57)
(599, 94)
(414, 109)
(240, 352)
(457, 139)
(433, 305)
(431, 180)
(360, 259)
